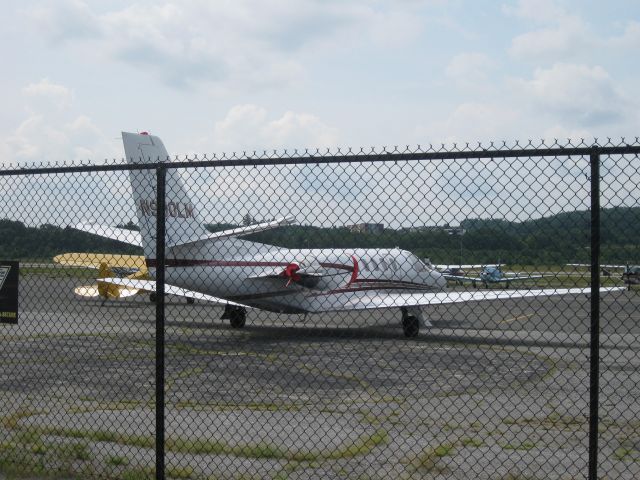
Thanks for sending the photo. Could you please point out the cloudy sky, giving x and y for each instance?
(240, 75)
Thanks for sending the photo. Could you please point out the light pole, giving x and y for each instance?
(461, 232)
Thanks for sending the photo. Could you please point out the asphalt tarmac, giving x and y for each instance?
(493, 390)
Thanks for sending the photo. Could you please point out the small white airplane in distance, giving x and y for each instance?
(239, 274)
(630, 273)
(491, 274)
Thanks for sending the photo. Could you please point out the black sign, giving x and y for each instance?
(9, 291)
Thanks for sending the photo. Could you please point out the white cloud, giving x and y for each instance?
(58, 95)
(469, 69)
(629, 39)
(247, 127)
(241, 42)
(46, 139)
(68, 20)
(570, 38)
(473, 121)
(295, 129)
(51, 135)
(578, 94)
(537, 10)
(565, 35)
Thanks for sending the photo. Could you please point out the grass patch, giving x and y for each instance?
(179, 472)
(526, 445)
(38, 449)
(471, 442)
(553, 420)
(627, 453)
(427, 460)
(74, 451)
(362, 446)
(138, 474)
(23, 463)
(117, 461)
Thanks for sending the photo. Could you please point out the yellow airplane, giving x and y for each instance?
(108, 265)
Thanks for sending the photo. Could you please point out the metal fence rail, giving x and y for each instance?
(286, 370)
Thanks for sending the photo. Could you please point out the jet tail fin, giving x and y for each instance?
(183, 223)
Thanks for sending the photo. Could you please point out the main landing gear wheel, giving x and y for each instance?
(410, 326)
(238, 318)
(153, 297)
(410, 323)
(237, 315)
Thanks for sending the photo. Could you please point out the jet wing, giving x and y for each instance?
(131, 237)
(365, 300)
(241, 231)
(150, 286)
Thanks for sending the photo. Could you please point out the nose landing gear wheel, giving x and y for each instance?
(410, 326)
(238, 318)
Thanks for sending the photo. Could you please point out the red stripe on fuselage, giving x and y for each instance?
(185, 262)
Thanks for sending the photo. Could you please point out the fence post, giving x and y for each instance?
(594, 387)
(160, 254)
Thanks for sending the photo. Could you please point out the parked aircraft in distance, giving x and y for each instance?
(240, 274)
(108, 265)
(492, 274)
(630, 273)
(455, 272)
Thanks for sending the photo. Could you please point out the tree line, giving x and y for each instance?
(557, 239)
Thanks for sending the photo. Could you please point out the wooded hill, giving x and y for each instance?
(556, 239)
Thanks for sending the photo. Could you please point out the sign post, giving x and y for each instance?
(9, 275)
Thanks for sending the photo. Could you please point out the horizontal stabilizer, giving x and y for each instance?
(150, 286)
(131, 237)
(241, 231)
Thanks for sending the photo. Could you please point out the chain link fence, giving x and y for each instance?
(428, 313)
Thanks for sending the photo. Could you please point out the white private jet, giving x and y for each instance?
(239, 274)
